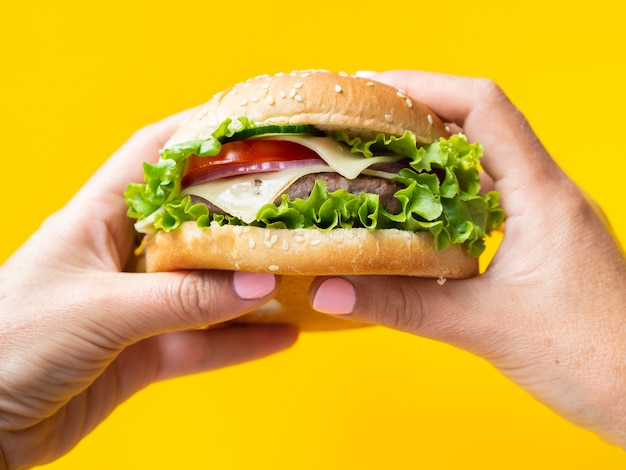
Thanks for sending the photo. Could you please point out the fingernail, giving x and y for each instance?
(335, 296)
(250, 286)
(365, 73)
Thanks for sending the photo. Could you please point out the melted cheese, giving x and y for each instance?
(338, 156)
(243, 196)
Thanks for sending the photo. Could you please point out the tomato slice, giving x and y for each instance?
(244, 153)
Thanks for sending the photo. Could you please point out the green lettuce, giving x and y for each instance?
(440, 190)
(162, 179)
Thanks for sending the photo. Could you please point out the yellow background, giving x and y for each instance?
(79, 77)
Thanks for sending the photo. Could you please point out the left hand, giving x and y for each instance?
(78, 335)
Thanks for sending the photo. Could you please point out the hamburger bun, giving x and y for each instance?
(330, 102)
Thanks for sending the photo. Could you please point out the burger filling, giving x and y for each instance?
(384, 188)
(300, 177)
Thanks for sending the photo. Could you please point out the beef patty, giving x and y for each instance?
(301, 188)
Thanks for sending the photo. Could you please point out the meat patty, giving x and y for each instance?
(303, 186)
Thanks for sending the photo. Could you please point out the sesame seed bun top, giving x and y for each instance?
(329, 101)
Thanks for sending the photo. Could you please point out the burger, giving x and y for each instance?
(314, 173)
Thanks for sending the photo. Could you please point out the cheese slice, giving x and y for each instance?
(338, 156)
(243, 196)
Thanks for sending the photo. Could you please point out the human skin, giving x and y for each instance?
(78, 336)
(550, 310)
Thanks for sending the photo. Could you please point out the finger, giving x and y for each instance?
(423, 307)
(103, 194)
(486, 115)
(486, 182)
(129, 307)
(191, 352)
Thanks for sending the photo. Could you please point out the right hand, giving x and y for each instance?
(550, 311)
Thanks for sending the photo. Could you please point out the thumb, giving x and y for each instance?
(138, 306)
(425, 307)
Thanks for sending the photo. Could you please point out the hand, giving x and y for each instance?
(550, 311)
(78, 336)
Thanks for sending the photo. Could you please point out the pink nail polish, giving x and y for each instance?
(249, 286)
(335, 296)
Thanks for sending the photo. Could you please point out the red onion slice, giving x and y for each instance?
(247, 168)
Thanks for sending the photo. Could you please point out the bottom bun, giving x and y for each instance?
(302, 254)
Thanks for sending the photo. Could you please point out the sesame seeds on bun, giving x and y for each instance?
(326, 100)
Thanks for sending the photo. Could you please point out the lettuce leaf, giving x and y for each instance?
(405, 145)
(440, 190)
(162, 179)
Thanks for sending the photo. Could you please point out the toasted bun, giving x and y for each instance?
(300, 255)
(329, 101)
(306, 252)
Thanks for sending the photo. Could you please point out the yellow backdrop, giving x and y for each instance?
(79, 77)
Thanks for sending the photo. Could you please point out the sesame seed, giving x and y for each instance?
(282, 94)
(430, 119)
(338, 88)
(344, 74)
(243, 102)
(285, 245)
(237, 229)
(251, 243)
(388, 117)
(255, 99)
(299, 238)
(265, 86)
(409, 103)
(401, 94)
(292, 93)
(298, 85)
(306, 74)
(447, 128)
(298, 98)
(274, 239)
(314, 242)
(273, 267)
(269, 99)
(370, 84)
